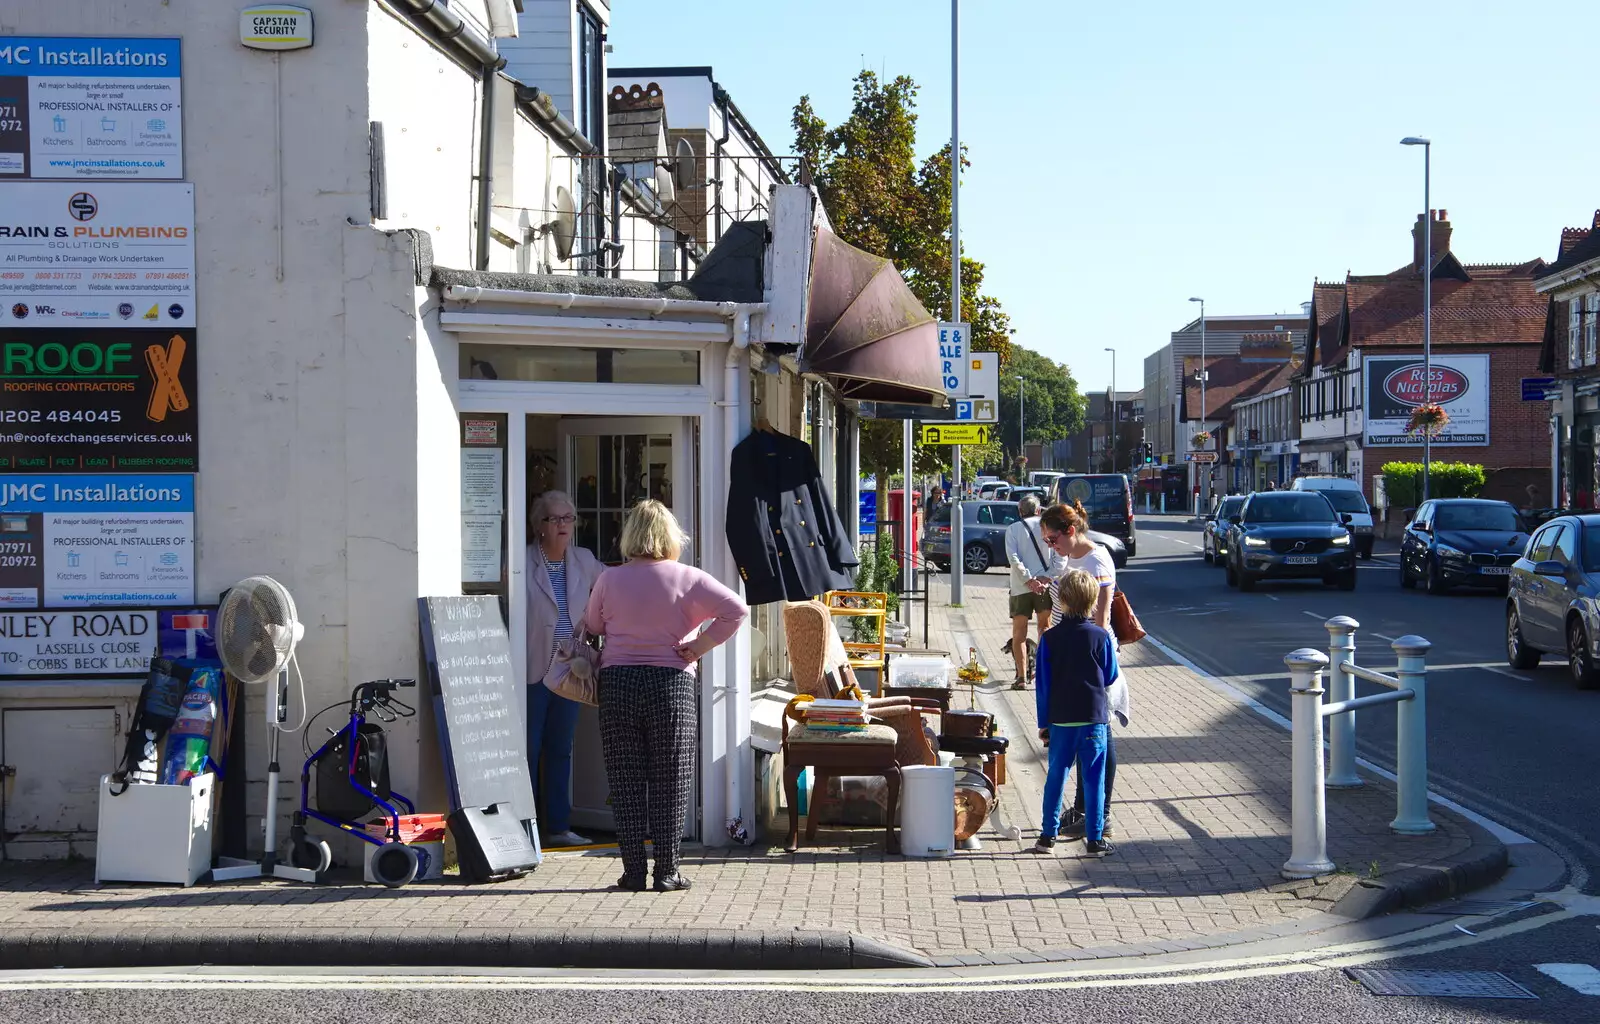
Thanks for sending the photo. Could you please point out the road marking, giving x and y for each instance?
(1581, 978)
(1272, 597)
(1497, 670)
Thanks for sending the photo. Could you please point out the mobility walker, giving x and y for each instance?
(352, 771)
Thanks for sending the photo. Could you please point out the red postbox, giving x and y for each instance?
(895, 514)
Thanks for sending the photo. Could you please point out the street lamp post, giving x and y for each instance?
(957, 538)
(1022, 424)
(1427, 296)
(1205, 471)
(1113, 408)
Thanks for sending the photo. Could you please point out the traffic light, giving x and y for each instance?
(1149, 451)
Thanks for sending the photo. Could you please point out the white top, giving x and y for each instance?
(1098, 564)
(1023, 555)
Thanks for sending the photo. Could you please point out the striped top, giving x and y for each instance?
(558, 583)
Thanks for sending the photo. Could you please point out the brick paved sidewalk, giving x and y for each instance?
(1202, 812)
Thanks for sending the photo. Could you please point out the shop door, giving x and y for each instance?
(609, 465)
(57, 756)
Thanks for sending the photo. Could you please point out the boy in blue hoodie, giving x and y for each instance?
(1077, 660)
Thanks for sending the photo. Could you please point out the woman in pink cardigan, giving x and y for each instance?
(650, 611)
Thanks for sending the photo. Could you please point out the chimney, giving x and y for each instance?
(1441, 238)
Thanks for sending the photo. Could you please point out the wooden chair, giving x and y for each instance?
(869, 751)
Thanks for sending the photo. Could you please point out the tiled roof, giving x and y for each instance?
(1324, 343)
(1578, 245)
(636, 124)
(1230, 380)
(1498, 305)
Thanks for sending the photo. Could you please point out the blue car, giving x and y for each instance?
(1214, 540)
(1461, 542)
(1551, 606)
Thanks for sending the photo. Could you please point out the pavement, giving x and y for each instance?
(1201, 807)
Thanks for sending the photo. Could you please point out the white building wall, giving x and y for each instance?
(544, 54)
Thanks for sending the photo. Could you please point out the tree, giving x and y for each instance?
(881, 200)
(1052, 408)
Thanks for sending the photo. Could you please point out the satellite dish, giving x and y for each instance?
(666, 189)
(683, 165)
(565, 224)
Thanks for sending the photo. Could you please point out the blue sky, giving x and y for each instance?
(1125, 157)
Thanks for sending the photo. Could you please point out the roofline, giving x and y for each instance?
(718, 95)
(687, 71)
(1584, 271)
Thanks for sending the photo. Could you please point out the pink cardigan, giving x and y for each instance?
(646, 608)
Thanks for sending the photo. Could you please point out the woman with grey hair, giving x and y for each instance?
(1033, 568)
(560, 577)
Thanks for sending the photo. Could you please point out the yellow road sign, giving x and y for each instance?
(955, 433)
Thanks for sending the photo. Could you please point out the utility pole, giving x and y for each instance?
(1113, 408)
(1427, 297)
(958, 554)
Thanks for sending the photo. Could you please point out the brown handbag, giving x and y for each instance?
(1124, 623)
(575, 670)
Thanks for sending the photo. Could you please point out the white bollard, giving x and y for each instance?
(1342, 686)
(1308, 857)
(1411, 739)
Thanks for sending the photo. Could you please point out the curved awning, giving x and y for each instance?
(866, 331)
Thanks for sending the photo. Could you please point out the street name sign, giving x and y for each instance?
(955, 433)
(1539, 389)
(1199, 456)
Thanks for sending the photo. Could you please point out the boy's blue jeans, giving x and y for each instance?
(1085, 744)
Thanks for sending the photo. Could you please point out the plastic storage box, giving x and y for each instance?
(155, 833)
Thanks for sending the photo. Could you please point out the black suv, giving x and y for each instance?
(1109, 501)
(1289, 535)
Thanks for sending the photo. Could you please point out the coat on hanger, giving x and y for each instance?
(783, 528)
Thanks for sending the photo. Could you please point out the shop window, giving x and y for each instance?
(561, 364)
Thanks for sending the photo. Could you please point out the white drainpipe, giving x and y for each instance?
(737, 827)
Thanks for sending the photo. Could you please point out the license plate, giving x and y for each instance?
(1496, 570)
(1300, 560)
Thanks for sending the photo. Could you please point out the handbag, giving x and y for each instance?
(1124, 623)
(575, 670)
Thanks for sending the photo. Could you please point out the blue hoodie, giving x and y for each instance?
(1077, 661)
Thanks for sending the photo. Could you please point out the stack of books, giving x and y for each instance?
(836, 715)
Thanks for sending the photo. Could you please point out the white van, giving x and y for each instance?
(1045, 478)
(1347, 500)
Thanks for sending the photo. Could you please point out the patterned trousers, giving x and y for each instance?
(649, 731)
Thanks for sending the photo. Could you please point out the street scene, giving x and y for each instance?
(570, 510)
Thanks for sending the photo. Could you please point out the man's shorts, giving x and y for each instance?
(1024, 606)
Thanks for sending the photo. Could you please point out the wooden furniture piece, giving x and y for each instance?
(860, 604)
(869, 751)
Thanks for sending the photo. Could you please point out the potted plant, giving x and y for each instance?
(1428, 418)
(1201, 439)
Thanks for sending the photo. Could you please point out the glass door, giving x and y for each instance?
(608, 466)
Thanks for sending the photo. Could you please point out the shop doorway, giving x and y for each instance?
(607, 465)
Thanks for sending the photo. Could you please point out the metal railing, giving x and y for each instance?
(1308, 856)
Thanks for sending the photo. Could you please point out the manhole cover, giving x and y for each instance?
(1478, 908)
(1457, 984)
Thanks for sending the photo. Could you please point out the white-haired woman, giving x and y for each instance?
(560, 577)
(650, 610)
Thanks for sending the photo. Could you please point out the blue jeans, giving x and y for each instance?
(552, 722)
(1085, 745)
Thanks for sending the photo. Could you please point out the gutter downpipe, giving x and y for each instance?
(722, 101)
(738, 829)
(486, 168)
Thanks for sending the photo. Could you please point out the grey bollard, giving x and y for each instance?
(1411, 739)
(1308, 855)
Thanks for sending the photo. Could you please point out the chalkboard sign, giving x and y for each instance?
(468, 654)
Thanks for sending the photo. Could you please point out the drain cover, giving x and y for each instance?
(1459, 984)
(1477, 908)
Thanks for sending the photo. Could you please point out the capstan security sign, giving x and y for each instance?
(275, 27)
(954, 364)
(90, 108)
(79, 540)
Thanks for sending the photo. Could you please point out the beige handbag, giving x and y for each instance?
(575, 670)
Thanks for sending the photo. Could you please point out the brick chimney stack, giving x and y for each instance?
(1441, 238)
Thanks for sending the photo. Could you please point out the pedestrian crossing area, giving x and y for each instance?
(1581, 978)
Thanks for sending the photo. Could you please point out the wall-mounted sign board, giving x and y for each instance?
(275, 27)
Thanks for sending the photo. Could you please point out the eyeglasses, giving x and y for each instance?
(566, 520)
(1050, 538)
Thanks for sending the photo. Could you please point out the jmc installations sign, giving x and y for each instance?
(1396, 385)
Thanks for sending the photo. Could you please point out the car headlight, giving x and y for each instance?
(1342, 540)
(1255, 542)
(1446, 551)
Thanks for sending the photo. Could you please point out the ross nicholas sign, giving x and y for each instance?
(1395, 385)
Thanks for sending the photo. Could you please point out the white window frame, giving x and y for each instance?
(1589, 328)
(1574, 321)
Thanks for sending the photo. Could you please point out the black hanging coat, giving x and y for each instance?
(785, 534)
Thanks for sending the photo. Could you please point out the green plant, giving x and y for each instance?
(878, 573)
(1402, 482)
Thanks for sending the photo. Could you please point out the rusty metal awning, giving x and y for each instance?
(865, 329)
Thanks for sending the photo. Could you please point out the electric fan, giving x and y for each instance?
(256, 635)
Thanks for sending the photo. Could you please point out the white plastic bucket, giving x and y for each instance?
(927, 810)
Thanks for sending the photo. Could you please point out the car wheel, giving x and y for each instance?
(1247, 581)
(1347, 579)
(977, 558)
(1406, 582)
(1233, 577)
(1432, 581)
(1518, 653)
(1205, 555)
(1133, 548)
(1366, 552)
(1578, 660)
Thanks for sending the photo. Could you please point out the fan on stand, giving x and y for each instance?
(256, 635)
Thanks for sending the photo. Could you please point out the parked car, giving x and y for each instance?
(996, 489)
(1551, 607)
(1213, 542)
(1108, 499)
(1289, 535)
(1469, 542)
(1346, 498)
(1045, 479)
(1018, 493)
(983, 536)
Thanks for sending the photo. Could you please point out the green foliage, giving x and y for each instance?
(1402, 481)
(1052, 406)
(878, 573)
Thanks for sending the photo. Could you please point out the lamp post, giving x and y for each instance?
(1113, 408)
(1205, 478)
(1427, 296)
(1022, 423)
(957, 540)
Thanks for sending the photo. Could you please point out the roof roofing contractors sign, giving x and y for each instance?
(90, 108)
(1395, 385)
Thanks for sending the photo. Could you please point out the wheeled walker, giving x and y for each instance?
(352, 770)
